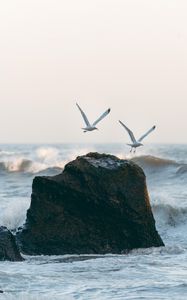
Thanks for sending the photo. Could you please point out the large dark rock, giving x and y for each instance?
(99, 204)
(8, 247)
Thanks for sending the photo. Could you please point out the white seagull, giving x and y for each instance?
(136, 143)
(91, 127)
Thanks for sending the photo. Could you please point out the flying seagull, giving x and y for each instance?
(136, 143)
(91, 127)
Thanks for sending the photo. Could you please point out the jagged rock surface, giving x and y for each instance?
(8, 247)
(98, 204)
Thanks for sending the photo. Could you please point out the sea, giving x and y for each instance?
(153, 273)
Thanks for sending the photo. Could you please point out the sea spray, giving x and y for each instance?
(43, 158)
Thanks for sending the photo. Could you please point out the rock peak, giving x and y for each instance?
(104, 160)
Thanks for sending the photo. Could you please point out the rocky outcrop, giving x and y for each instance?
(99, 204)
(8, 247)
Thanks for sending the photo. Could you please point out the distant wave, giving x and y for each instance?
(28, 166)
(44, 159)
(153, 161)
(154, 165)
(6, 153)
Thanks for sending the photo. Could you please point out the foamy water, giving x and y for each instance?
(155, 273)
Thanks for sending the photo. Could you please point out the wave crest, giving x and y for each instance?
(170, 215)
(48, 159)
(153, 161)
(29, 166)
(182, 170)
(155, 165)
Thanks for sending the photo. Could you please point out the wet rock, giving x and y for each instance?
(98, 204)
(8, 247)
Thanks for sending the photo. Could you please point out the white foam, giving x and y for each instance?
(14, 214)
(27, 296)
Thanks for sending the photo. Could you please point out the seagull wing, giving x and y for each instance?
(102, 116)
(149, 131)
(84, 116)
(129, 132)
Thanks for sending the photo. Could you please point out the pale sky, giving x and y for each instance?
(130, 55)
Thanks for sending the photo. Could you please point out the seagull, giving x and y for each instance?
(91, 127)
(136, 143)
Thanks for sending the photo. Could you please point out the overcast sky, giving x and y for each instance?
(130, 55)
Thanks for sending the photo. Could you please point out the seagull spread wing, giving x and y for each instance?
(84, 116)
(149, 131)
(101, 117)
(129, 132)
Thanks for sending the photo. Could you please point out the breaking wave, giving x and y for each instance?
(47, 159)
(153, 162)
(13, 215)
(21, 165)
(153, 165)
(182, 170)
(168, 214)
(29, 166)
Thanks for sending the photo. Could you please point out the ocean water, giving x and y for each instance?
(154, 273)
